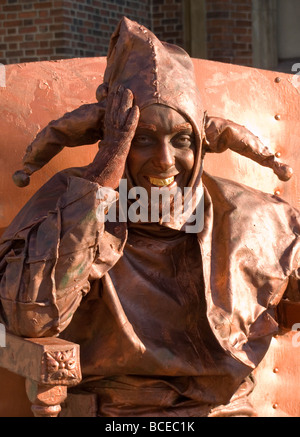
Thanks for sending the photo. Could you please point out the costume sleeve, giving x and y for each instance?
(45, 261)
(224, 134)
(288, 309)
(80, 127)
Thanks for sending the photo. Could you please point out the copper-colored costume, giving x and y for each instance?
(169, 323)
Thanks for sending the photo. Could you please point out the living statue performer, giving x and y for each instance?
(169, 322)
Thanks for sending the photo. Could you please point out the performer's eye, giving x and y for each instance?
(142, 140)
(183, 140)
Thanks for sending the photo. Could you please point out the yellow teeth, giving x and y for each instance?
(161, 182)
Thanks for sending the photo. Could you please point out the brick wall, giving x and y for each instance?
(54, 29)
(90, 23)
(229, 31)
(167, 20)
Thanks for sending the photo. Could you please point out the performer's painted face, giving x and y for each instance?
(162, 151)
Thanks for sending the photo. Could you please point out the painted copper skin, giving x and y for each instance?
(162, 148)
(121, 119)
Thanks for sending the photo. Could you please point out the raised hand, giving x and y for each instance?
(120, 122)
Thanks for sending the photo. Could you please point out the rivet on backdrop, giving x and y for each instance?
(278, 79)
(277, 192)
(278, 154)
(277, 117)
(275, 406)
(276, 370)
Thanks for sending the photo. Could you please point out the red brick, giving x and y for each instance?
(29, 59)
(243, 38)
(56, 27)
(46, 20)
(15, 23)
(43, 36)
(56, 12)
(29, 52)
(29, 14)
(44, 44)
(43, 13)
(10, 16)
(240, 30)
(27, 29)
(58, 3)
(38, 5)
(14, 38)
(44, 52)
(14, 54)
(243, 15)
(243, 23)
(13, 46)
(29, 45)
(11, 30)
(12, 8)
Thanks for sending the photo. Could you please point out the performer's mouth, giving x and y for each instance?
(161, 182)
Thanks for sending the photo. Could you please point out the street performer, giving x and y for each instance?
(170, 321)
